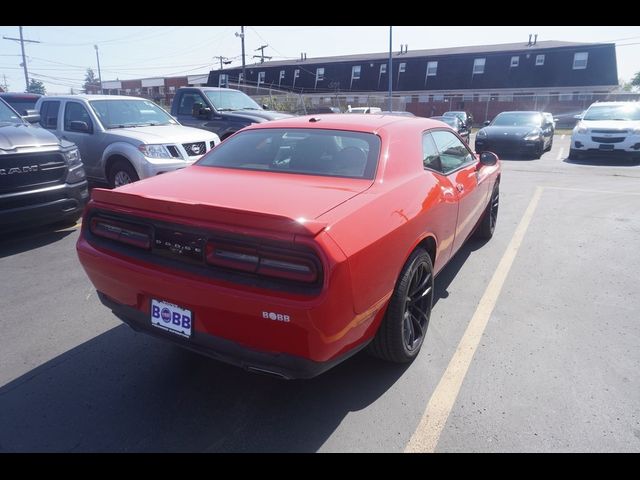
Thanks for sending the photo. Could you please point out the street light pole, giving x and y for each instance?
(24, 57)
(390, 65)
(99, 73)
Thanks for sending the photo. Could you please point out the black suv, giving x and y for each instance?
(42, 178)
(222, 111)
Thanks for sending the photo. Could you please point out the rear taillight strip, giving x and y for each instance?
(263, 261)
(135, 235)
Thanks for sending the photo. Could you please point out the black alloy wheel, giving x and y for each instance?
(403, 329)
(490, 217)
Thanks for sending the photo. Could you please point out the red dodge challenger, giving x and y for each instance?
(295, 243)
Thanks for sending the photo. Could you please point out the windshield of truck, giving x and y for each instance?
(7, 115)
(231, 100)
(130, 113)
(624, 111)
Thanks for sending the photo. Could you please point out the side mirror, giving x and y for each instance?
(265, 106)
(31, 116)
(578, 116)
(488, 159)
(79, 126)
(486, 123)
(205, 112)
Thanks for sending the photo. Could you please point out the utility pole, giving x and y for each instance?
(262, 55)
(223, 60)
(99, 73)
(390, 65)
(241, 35)
(24, 57)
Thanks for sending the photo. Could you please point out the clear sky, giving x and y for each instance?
(64, 54)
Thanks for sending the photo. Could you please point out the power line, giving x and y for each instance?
(24, 57)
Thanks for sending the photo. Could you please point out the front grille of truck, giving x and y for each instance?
(195, 149)
(30, 170)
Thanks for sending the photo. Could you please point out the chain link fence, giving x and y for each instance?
(565, 107)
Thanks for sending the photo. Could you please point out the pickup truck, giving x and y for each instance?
(222, 111)
(123, 139)
(42, 180)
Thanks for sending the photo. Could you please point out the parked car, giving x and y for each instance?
(607, 127)
(41, 178)
(568, 119)
(23, 103)
(123, 139)
(295, 243)
(400, 113)
(364, 110)
(516, 132)
(465, 117)
(457, 125)
(222, 111)
(319, 110)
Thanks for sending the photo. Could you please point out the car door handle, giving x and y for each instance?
(460, 187)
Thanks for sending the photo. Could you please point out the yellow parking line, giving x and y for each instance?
(587, 190)
(426, 436)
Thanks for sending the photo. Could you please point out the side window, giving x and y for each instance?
(73, 112)
(453, 153)
(49, 114)
(187, 101)
(430, 155)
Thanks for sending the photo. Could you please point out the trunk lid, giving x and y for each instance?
(278, 202)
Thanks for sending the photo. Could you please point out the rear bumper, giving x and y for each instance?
(234, 320)
(42, 206)
(277, 364)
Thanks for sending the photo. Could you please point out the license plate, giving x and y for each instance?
(171, 318)
(604, 146)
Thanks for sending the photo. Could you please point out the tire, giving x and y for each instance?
(404, 326)
(490, 216)
(539, 150)
(548, 149)
(122, 173)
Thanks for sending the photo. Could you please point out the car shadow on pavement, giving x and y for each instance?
(449, 272)
(123, 391)
(605, 162)
(25, 240)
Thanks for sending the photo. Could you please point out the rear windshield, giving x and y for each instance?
(21, 105)
(334, 153)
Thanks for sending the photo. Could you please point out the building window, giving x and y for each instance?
(172, 89)
(438, 97)
(402, 68)
(355, 72)
(223, 80)
(261, 77)
(580, 60)
(423, 98)
(483, 97)
(383, 68)
(296, 73)
(467, 97)
(565, 97)
(240, 78)
(478, 66)
(432, 69)
(319, 74)
(505, 97)
(515, 61)
(539, 60)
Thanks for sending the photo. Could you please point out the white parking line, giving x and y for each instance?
(560, 153)
(562, 136)
(426, 436)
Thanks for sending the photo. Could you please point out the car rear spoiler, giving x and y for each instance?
(207, 212)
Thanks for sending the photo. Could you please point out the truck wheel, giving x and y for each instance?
(122, 173)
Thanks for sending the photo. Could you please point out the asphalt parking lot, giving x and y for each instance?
(545, 314)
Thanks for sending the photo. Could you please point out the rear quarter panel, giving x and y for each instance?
(378, 229)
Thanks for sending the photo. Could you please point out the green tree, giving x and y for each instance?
(36, 86)
(635, 81)
(90, 80)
